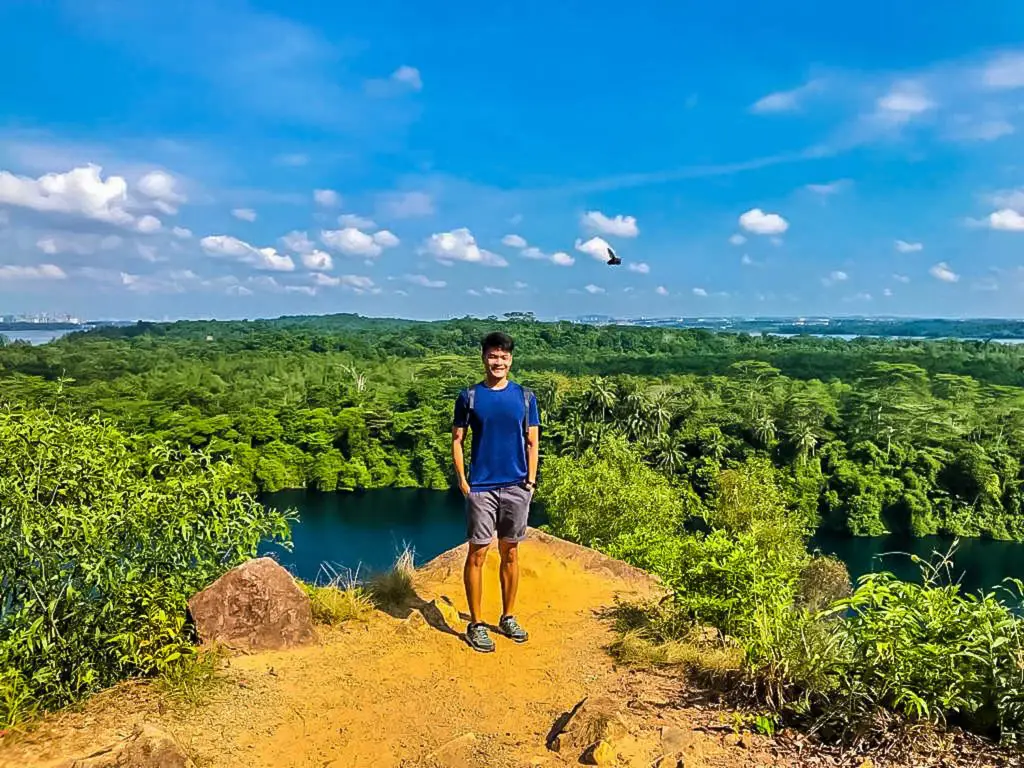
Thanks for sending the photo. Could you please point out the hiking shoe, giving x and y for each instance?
(511, 629)
(478, 638)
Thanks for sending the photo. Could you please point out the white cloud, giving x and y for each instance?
(160, 187)
(519, 284)
(1006, 219)
(737, 239)
(328, 198)
(904, 247)
(785, 101)
(148, 225)
(355, 242)
(317, 260)
(148, 252)
(901, 278)
(406, 205)
(513, 241)
(746, 261)
(385, 239)
(80, 192)
(81, 244)
(595, 247)
(298, 242)
(39, 272)
(987, 284)
(941, 271)
(408, 76)
(904, 101)
(700, 292)
(261, 258)
(474, 292)
(887, 292)
(640, 267)
(661, 290)
(359, 222)
(357, 283)
(562, 259)
(966, 128)
(1008, 198)
(494, 291)
(182, 232)
(238, 290)
(620, 226)
(760, 223)
(593, 289)
(1004, 72)
(837, 276)
(533, 252)
(424, 281)
(832, 188)
(245, 214)
(460, 245)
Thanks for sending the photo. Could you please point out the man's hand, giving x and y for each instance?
(464, 487)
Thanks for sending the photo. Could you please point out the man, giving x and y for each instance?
(505, 424)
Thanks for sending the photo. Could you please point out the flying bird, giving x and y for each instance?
(612, 258)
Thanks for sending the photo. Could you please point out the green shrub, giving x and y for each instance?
(103, 545)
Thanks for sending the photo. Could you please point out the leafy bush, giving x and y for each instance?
(103, 545)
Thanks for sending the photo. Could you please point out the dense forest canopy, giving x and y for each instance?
(868, 435)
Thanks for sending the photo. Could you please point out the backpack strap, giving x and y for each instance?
(527, 396)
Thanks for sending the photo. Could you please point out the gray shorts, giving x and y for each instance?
(501, 511)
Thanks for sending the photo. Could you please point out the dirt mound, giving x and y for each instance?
(405, 689)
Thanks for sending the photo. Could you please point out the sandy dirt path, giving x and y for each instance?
(406, 690)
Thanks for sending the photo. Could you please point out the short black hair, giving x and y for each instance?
(497, 340)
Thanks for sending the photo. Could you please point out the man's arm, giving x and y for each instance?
(459, 457)
(532, 453)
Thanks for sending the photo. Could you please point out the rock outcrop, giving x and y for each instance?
(148, 747)
(254, 607)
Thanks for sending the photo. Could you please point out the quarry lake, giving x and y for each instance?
(367, 530)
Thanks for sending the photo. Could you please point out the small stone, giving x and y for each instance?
(600, 753)
(448, 612)
(673, 739)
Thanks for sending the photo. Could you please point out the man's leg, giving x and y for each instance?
(509, 575)
(472, 575)
(513, 517)
(481, 524)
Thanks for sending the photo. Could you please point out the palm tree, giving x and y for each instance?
(764, 430)
(600, 398)
(668, 454)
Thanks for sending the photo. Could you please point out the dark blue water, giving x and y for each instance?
(365, 531)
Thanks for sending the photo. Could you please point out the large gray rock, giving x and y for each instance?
(256, 606)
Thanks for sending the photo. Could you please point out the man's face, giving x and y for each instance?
(497, 362)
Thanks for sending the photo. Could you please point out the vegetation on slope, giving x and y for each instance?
(847, 665)
(104, 541)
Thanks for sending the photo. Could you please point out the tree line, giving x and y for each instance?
(868, 436)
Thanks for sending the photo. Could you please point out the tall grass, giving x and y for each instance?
(339, 597)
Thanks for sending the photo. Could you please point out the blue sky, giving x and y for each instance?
(232, 159)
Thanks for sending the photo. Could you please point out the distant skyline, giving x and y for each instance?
(237, 159)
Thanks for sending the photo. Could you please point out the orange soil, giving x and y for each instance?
(404, 692)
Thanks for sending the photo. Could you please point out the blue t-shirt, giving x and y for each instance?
(499, 445)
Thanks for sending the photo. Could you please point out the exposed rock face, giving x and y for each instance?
(254, 607)
(148, 747)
